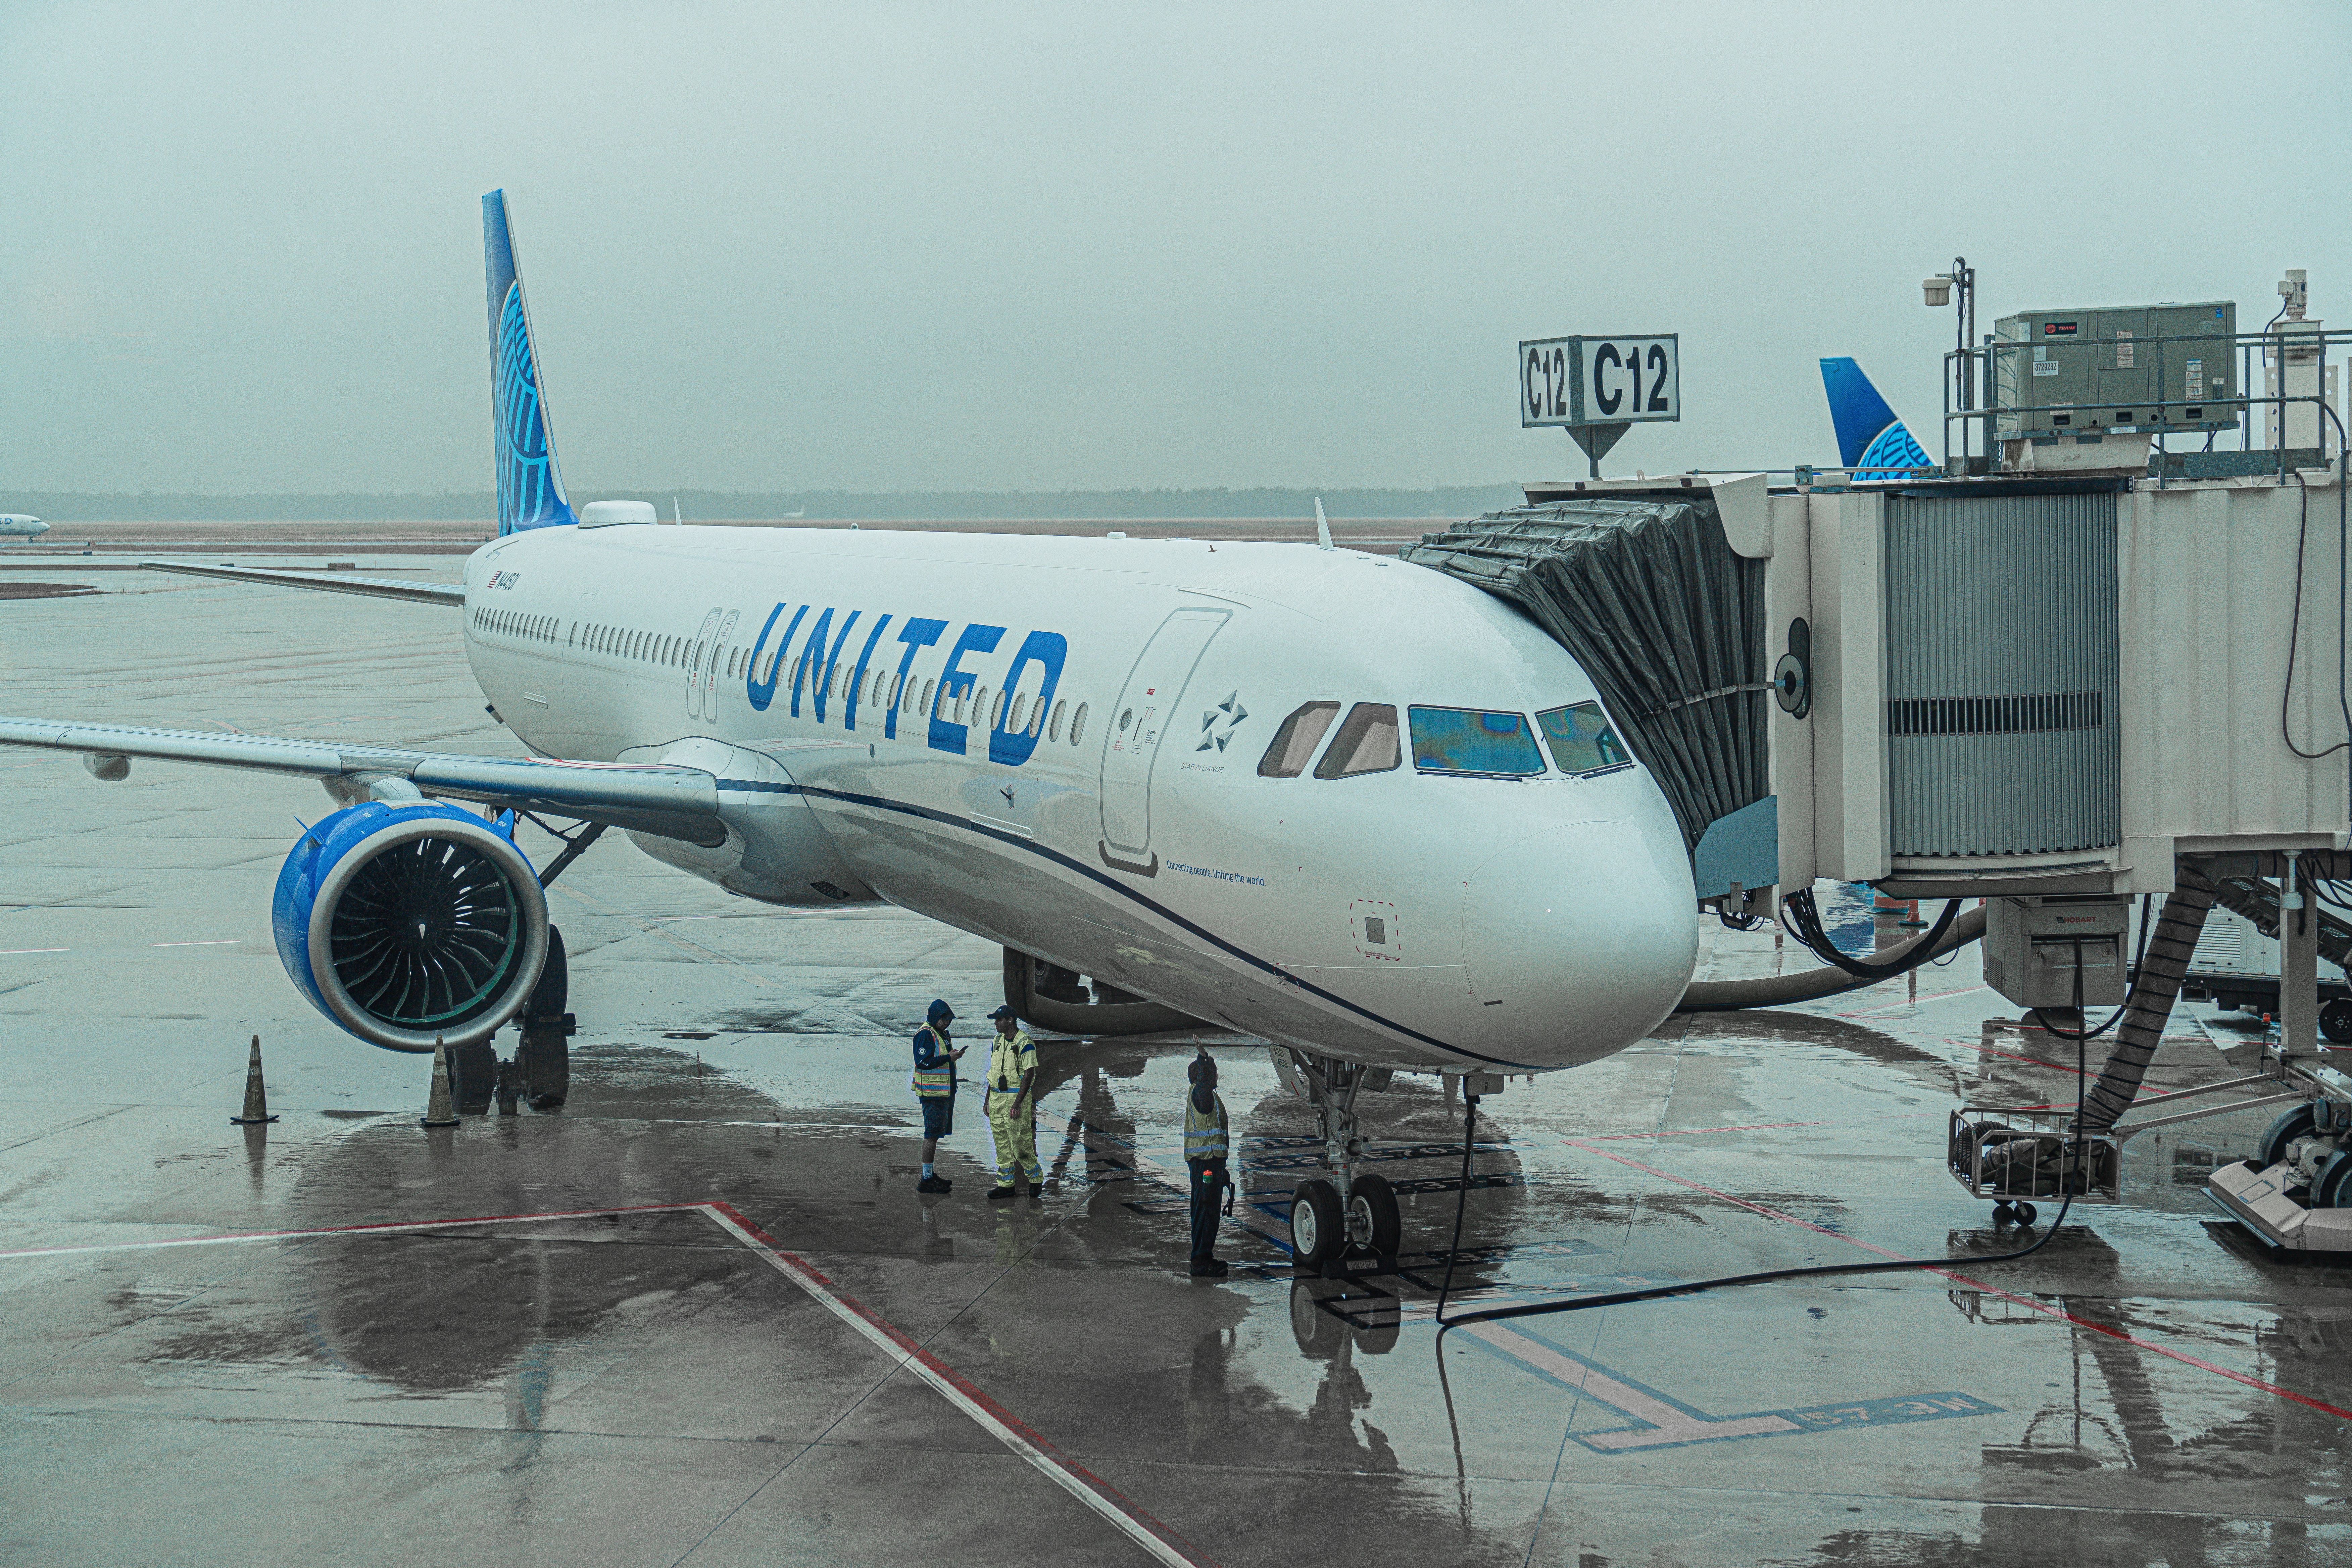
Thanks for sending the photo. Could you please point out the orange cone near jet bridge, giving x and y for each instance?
(256, 1102)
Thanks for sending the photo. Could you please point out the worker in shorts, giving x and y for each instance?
(935, 1084)
(1013, 1105)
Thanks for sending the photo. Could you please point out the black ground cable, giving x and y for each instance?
(1815, 1270)
(1798, 906)
(2294, 620)
(1461, 1200)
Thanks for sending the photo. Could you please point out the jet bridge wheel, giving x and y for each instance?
(2336, 1021)
(1318, 1230)
(2296, 1122)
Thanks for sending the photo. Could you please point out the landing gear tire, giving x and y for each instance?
(1373, 1222)
(1318, 1232)
(544, 1057)
(473, 1076)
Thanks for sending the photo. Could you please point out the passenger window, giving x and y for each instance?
(1468, 741)
(996, 712)
(927, 700)
(1367, 744)
(1078, 724)
(1054, 725)
(1020, 705)
(1294, 741)
(1037, 718)
(1582, 740)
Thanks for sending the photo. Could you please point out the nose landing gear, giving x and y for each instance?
(1357, 1214)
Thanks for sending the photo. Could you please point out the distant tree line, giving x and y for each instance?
(1450, 500)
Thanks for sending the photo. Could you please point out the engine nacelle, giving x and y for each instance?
(411, 923)
(776, 849)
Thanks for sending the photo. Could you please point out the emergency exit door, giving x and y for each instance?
(1138, 729)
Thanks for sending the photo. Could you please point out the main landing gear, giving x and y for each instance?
(1358, 1213)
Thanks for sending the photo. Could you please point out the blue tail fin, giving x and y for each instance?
(1869, 435)
(530, 486)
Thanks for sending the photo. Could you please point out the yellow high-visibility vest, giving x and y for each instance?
(1007, 1059)
(1206, 1136)
(936, 1082)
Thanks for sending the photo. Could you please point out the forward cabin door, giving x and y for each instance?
(1137, 730)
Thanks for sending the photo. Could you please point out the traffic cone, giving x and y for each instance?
(257, 1103)
(442, 1111)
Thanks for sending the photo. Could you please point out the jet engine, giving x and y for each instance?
(410, 922)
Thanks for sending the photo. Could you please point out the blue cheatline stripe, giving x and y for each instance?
(1070, 864)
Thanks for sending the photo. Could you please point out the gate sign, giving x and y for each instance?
(1599, 380)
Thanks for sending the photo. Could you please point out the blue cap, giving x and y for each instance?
(941, 1011)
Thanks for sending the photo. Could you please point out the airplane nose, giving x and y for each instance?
(1581, 937)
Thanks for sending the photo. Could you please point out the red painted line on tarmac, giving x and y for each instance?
(1026, 1442)
(2046, 1311)
(384, 1227)
(2011, 1055)
(1016, 1434)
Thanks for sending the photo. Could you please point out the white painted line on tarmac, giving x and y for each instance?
(20, 952)
(221, 942)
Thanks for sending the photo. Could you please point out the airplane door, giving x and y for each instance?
(1138, 725)
(712, 666)
(704, 644)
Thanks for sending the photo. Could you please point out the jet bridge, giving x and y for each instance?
(1645, 586)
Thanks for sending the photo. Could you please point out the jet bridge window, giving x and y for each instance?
(1582, 740)
(1367, 744)
(1467, 740)
(1295, 739)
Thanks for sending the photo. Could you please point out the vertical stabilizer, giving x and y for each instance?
(1869, 435)
(531, 486)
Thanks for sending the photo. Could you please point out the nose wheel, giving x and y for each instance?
(1355, 1215)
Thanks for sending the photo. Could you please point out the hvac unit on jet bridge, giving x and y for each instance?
(2035, 690)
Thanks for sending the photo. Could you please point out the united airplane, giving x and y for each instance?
(1344, 804)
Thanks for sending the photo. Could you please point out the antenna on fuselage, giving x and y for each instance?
(1322, 527)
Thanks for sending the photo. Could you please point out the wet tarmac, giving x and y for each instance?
(701, 1315)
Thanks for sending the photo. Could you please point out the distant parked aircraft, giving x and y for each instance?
(14, 525)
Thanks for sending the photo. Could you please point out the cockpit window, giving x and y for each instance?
(1465, 741)
(1367, 744)
(1582, 740)
(1294, 741)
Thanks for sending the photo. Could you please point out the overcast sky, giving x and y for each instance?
(882, 246)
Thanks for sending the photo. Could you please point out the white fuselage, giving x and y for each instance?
(14, 525)
(1527, 923)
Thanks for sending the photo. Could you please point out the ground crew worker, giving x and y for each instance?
(935, 1086)
(1013, 1105)
(1208, 1143)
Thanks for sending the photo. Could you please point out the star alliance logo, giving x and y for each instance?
(1218, 724)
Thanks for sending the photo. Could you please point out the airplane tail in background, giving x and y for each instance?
(530, 486)
(1869, 435)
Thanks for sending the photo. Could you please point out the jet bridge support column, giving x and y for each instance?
(2298, 962)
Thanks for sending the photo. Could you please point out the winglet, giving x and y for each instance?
(530, 484)
(1322, 527)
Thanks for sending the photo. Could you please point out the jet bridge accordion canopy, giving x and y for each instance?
(1650, 598)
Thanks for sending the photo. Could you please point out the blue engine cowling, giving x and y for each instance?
(412, 922)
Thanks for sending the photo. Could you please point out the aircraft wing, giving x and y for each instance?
(332, 582)
(674, 802)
